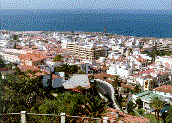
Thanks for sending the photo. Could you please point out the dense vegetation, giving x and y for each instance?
(68, 69)
(2, 64)
(20, 92)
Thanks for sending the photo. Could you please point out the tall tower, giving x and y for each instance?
(105, 30)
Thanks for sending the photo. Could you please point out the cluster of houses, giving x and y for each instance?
(112, 55)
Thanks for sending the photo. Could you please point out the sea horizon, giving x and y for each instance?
(127, 22)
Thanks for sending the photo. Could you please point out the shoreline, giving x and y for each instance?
(83, 32)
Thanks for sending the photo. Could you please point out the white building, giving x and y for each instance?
(122, 69)
(77, 80)
(6, 44)
(164, 60)
(11, 55)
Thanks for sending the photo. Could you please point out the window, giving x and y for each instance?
(146, 84)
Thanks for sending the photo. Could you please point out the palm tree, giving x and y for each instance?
(139, 102)
(2, 64)
(137, 89)
(169, 116)
(116, 82)
(58, 58)
(157, 104)
(22, 92)
(15, 38)
(94, 106)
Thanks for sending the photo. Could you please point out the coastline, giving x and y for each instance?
(83, 32)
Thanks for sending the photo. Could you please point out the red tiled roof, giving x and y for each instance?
(111, 114)
(140, 59)
(121, 59)
(56, 76)
(127, 86)
(167, 65)
(32, 56)
(146, 71)
(101, 75)
(164, 88)
(39, 73)
(25, 68)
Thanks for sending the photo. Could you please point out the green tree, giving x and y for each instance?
(2, 64)
(94, 105)
(20, 92)
(157, 104)
(131, 50)
(15, 39)
(116, 82)
(119, 98)
(94, 90)
(65, 102)
(137, 89)
(58, 58)
(74, 104)
(139, 102)
(68, 69)
(169, 115)
(131, 107)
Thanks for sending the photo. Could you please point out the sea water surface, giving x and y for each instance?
(140, 23)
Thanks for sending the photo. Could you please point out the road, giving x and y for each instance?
(107, 90)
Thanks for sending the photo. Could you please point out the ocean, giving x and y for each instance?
(139, 23)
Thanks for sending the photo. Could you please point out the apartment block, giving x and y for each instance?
(164, 45)
(12, 55)
(87, 52)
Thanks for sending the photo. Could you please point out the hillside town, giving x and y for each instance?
(129, 71)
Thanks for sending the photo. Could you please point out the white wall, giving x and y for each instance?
(112, 70)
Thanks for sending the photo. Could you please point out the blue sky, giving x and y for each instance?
(86, 4)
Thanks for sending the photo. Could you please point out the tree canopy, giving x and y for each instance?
(74, 104)
(116, 82)
(169, 115)
(2, 64)
(157, 104)
(137, 89)
(58, 58)
(131, 107)
(65, 102)
(68, 69)
(15, 37)
(139, 102)
(20, 92)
